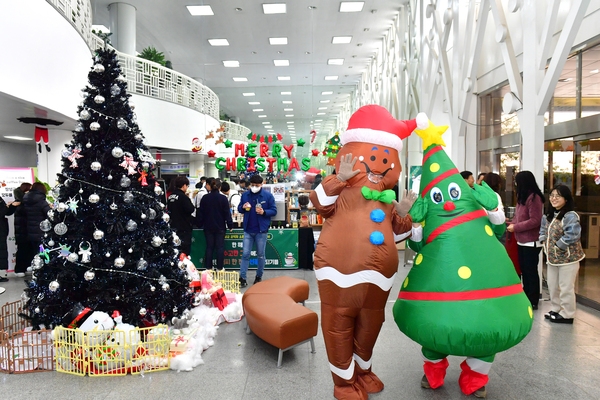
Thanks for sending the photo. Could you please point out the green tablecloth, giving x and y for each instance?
(281, 251)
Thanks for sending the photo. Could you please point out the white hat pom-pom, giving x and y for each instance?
(422, 121)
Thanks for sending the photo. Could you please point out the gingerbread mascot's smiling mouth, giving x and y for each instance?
(373, 177)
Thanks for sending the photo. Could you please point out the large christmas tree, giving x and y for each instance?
(107, 243)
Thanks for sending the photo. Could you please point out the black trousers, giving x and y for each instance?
(215, 242)
(529, 258)
(186, 242)
(25, 253)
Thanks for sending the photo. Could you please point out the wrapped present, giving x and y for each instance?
(219, 299)
(179, 344)
(230, 297)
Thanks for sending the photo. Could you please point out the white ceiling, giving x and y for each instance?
(169, 27)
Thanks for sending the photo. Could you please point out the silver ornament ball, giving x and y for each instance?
(88, 145)
(89, 275)
(84, 114)
(98, 234)
(94, 126)
(60, 228)
(119, 262)
(96, 166)
(53, 286)
(45, 225)
(143, 216)
(142, 264)
(121, 123)
(125, 181)
(99, 99)
(60, 207)
(94, 198)
(166, 217)
(166, 287)
(99, 68)
(117, 152)
(158, 190)
(115, 90)
(73, 257)
(156, 241)
(127, 197)
(131, 225)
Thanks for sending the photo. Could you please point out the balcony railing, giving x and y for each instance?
(235, 131)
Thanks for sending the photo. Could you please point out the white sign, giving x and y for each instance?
(10, 179)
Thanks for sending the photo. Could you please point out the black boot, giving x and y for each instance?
(39, 147)
(47, 148)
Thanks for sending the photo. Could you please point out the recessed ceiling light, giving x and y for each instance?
(331, 78)
(283, 78)
(289, 115)
(287, 102)
(266, 123)
(270, 130)
(324, 101)
(288, 109)
(257, 109)
(318, 120)
(17, 138)
(322, 108)
(274, 8)
(262, 116)
(268, 126)
(326, 93)
(231, 64)
(240, 79)
(290, 122)
(351, 6)
(248, 94)
(254, 103)
(200, 10)
(286, 93)
(321, 113)
(281, 40)
(281, 63)
(334, 61)
(218, 42)
(341, 39)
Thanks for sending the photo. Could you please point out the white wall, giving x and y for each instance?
(17, 155)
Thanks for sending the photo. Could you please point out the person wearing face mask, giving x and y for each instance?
(258, 207)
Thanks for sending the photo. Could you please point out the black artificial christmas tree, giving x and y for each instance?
(107, 243)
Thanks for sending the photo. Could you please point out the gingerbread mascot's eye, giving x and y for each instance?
(454, 191)
(436, 195)
(373, 158)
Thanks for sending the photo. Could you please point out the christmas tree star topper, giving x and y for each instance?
(432, 135)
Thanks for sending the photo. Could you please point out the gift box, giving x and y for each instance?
(179, 344)
(219, 299)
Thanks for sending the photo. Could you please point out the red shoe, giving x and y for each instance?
(471, 381)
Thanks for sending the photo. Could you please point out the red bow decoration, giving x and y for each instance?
(74, 156)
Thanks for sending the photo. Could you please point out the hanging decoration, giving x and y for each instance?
(211, 153)
(264, 138)
(313, 136)
(331, 148)
(300, 142)
(196, 145)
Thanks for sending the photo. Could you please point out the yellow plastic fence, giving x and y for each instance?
(112, 353)
(229, 280)
(22, 349)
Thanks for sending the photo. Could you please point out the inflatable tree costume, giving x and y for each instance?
(462, 296)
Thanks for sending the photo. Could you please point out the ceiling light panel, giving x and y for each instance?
(351, 6)
(257, 109)
(248, 94)
(331, 78)
(341, 39)
(286, 93)
(289, 115)
(275, 8)
(279, 41)
(324, 101)
(240, 79)
(266, 123)
(200, 10)
(326, 93)
(254, 103)
(218, 42)
(322, 108)
(231, 64)
(283, 78)
(321, 113)
(17, 138)
(288, 109)
(281, 63)
(334, 61)
(287, 102)
(262, 116)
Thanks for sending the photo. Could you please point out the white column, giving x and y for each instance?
(122, 26)
(532, 124)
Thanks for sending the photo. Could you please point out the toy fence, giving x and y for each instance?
(22, 349)
(229, 280)
(112, 353)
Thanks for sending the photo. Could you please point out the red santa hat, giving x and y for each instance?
(374, 124)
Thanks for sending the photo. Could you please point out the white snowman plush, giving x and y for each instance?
(119, 348)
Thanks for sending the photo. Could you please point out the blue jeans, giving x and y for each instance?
(250, 239)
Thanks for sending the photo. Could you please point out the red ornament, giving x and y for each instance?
(315, 152)
(324, 152)
(270, 139)
(254, 137)
(261, 139)
(279, 136)
(211, 154)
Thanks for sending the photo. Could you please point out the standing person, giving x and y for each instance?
(481, 177)
(181, 208)
(468, 177)
(526, 227)
(232, 195)
(494, 181)
(36, 210)
(25, 252)
(560, 234)
(258, 207)
(5, 210)
(202, 191)
(214, 216)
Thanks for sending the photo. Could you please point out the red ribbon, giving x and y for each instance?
(461, 296)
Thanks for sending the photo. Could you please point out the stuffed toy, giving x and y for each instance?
(356, 260)
(462, 297)
(186, 264)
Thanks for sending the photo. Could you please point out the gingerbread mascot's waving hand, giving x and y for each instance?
(356, 260)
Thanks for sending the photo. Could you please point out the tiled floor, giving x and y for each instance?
(553, 362)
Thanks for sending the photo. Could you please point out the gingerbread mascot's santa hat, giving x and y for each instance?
(374, 124)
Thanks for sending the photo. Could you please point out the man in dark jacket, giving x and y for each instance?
(180, 209)
(36, 210)
(25, 252)
(258, 207)
(214, 217)
(5, 210)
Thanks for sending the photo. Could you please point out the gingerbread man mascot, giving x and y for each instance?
(356, 260)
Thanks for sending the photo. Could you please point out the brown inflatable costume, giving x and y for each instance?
(356, 259)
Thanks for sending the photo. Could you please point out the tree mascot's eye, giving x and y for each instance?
(454, 191)
(436, 195)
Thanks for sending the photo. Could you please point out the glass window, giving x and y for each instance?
(590, 82)
(558, 163)
(563, 104)
(493, 122)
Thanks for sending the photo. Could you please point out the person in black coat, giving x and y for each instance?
(36, 210)
(214, 217)
(180, 209)
(5, 210)
(25, 252)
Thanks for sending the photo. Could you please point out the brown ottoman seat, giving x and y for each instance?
(276, 317)
(295, 288)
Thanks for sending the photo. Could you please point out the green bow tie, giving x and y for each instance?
(387, 196)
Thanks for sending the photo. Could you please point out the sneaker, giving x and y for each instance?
(480, 393)
(559, 319)
(19, 274)
(243, 282)
(257, 279)
(2, 290)
(3, 279)
(549, 315)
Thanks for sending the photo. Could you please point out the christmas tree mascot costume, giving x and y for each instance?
(462, 296)
(356, 260)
